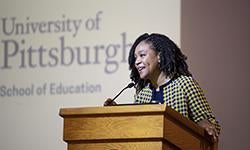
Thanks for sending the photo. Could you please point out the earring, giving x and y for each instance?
(159, 63)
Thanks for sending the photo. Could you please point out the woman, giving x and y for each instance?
(161, 75)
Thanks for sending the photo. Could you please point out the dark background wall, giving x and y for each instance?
(215, 35)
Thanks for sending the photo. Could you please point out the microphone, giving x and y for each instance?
(130, 85)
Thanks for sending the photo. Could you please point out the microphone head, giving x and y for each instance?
(130, 85)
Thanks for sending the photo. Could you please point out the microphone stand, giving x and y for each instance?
(130, 85)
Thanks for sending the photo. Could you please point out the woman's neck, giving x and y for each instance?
(160, 80)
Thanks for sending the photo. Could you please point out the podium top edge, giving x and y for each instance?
(118, 109)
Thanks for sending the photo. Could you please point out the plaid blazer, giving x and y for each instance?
(184, 95)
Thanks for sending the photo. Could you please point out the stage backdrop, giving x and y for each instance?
(56, 54)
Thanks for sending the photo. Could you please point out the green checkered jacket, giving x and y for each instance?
(184, 95)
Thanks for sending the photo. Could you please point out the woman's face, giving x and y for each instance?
(146, 61)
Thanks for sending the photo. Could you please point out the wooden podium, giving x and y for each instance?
(132, 127)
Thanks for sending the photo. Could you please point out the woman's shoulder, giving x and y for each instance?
(188, 83)
(146, 89)
(183, 80)
(144, 95)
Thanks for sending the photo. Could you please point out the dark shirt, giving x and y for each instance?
(157, 95)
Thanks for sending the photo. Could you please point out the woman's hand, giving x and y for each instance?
(109, 102)
(210, 128)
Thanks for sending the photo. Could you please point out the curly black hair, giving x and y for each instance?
(173, 61)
